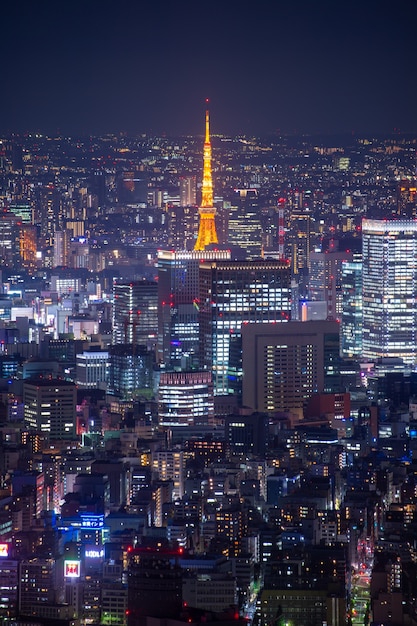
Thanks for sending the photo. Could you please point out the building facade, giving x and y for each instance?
(389, 289)
(233, 293)
(325, 280)
(130, 371)
(185, 398)
(284, 365)
(135, 312)
(351, 322)
(178, 304)
(92, 369)
(244, 225)
(50, 407)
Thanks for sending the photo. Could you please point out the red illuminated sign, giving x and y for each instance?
(4, 549)
(72, 569)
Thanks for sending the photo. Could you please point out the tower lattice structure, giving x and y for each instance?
(207, 228)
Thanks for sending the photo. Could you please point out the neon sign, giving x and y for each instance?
(4, 549)
(94, 553)
(72, 569)
(92, 521)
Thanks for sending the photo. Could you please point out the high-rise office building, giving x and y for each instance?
(92, 369)
(182, 223)
(169, 465)
(325, 280)
(9, 239)
(233, 293)
(23, 209)
(9, 583)
(17, 158)
(37, 585)
(284, 364)
(178, 305)
(244, 226)
(207, 229)
(50, 407)
(298, 246)
(154, 585)
(135, 312)
(62, 239)
(185, 398)
(407, 199)
(75, 226)
(98, 184)
(28, 239)
(351, 321)
(132, 187)
(247, 434)
(48, 212)
(389, 289)
(130, 371)
(79, 250)
(188, 191)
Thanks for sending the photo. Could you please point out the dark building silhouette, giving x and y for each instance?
(154, 585)
(247, 433)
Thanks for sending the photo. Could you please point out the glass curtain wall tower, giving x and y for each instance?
(233, 293)
(389, 289)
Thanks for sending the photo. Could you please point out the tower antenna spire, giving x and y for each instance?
(207, 139)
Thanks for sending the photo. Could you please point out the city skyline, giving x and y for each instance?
(299, 67)
(208, 380)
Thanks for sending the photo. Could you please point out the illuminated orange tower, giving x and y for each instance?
(207, 212)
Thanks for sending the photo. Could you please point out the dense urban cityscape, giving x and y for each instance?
(208, 351)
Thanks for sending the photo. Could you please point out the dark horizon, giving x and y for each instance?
(283, 68)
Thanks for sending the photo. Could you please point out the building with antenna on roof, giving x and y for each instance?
(178, 282)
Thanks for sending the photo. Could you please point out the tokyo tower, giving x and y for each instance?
(207, 212)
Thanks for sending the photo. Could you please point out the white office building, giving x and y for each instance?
(389, 289)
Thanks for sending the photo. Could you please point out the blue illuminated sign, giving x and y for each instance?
(92, 521)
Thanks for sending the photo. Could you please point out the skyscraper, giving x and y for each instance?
(406, 199)
(23, 210)
(285, 364)
(233, 293)
(92, 368)
(50, 407)
(178, 308)
(188, 191)
(130, 371)
(351, 327)
(62, 240)
(325, 280)
(298, 244)
(9, 239)
(135, 312)
(27, 246)
(389, 289)
(244, 228)
(182, 223)
(185, 398)
(207, 229)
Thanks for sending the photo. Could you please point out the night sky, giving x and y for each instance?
(286, 66)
